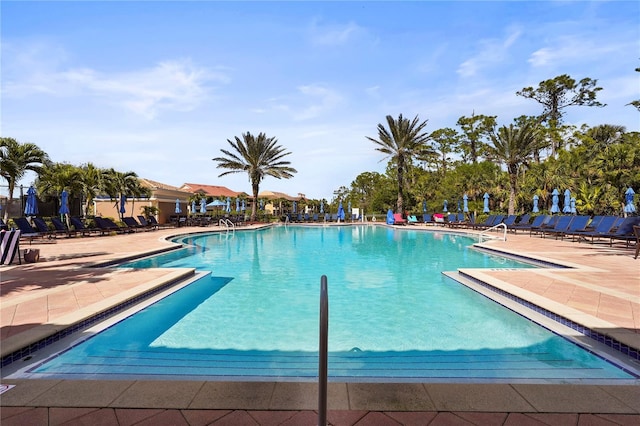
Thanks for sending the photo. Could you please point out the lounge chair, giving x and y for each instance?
(79, 226)
(398, 220)
(490, 222)
(412, 220)
(636, 231)
(132, 224)
(427, 219)
(578, 224)
(624, 231)
(10, 246)
(143, 221)
(603, 227)
(548, 223)
(42, 227)
(26, 230)
(523, 220)
(108, 226)
(561, 225)
(61, 228)
(537, 222)
(510, 220)
(3, 226)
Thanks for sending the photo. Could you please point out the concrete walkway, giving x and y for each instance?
(600, 289)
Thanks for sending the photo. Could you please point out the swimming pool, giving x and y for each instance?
(393, 315)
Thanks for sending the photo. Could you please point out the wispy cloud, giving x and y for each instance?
(322, 99)
(490, 52)
(568, 49)
(333, 34)
(172, 85)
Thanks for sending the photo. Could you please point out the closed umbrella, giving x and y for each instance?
(535, 204)
(321, 207)
(203, 205)
(237, 204)
(554, 201)
(629, 206)
(340, 212)
(566, 206)
(244, 206)
(573, 205)
(228, 206)
(459, 206)
(123, 201)
(485, 207)
(349, 210)
(465, 203)
(446, 204)
(64, 203)
(193, 206)
(261, 204)
(295, 207)
(178, 209)
(31, 209)
(390, 217)
(424, 206)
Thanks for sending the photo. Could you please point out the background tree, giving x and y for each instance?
(402, 141)
(118, 184)
(558, 93)
(15, 160)
(444, 142)
(258, 157)
(636, 103)
(514, 146)
(475, 132)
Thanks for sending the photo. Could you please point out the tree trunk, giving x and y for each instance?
(256, 188)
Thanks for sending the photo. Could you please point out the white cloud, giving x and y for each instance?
(172, 85)
(490, 52)
(333, 35)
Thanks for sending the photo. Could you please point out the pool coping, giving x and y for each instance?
(194, 395)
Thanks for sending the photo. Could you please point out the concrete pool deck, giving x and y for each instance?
(600, 290)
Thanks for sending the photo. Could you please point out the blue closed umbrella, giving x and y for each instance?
(424, 207)
(390, 220)
(193, 206)
(555, 199)
(261, 204)
(629, 206)
(573, 205)
(340, 212)
(237, 204)
(123, 201)
(244, 206)
(178, 209)
(535, 204)
(465, 203)
(446, 204)
(64, 203)
(31, 209)
(321, 207)
(228, 206)
(459, 206)
(485, 208)
(203, 205)
(349, 208)
(295, 207)
(566, 206)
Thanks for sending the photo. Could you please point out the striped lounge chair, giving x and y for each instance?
(9, 246)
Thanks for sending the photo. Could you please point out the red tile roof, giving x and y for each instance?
(211, 190)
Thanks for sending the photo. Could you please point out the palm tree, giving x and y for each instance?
(15, 160)
(402, 142)
(91, 182)
(514, 146)
(118, 184)
(258, 157)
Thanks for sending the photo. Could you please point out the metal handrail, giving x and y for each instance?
(494, 227)
(323, 352)
(227, 223)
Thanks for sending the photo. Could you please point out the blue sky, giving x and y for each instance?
(158, 87)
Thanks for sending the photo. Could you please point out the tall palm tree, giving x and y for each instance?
(90, 180)
(117, 184)
(258, 156)
(402, 142)
(15, 160)
(514, 146)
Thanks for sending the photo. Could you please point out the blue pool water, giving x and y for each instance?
(393, 315)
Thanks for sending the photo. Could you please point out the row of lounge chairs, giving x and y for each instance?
(576, 227)
(40, 229)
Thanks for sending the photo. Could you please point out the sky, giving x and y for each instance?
(158, 88)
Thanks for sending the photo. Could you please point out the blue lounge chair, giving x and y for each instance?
(427, 219)
(561, 225)
(108, 226)
(61, 228)
(132, 224)
(604, 227)
(79, 226)
(548, 223)
(577, 223)
(26, 230)
(42, 227)
(624, 231)
(412, 220)
(9, 246)
(537, 222)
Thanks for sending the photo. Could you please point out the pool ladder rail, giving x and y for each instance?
(227, 224)
(494, 228)
(323, 352)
